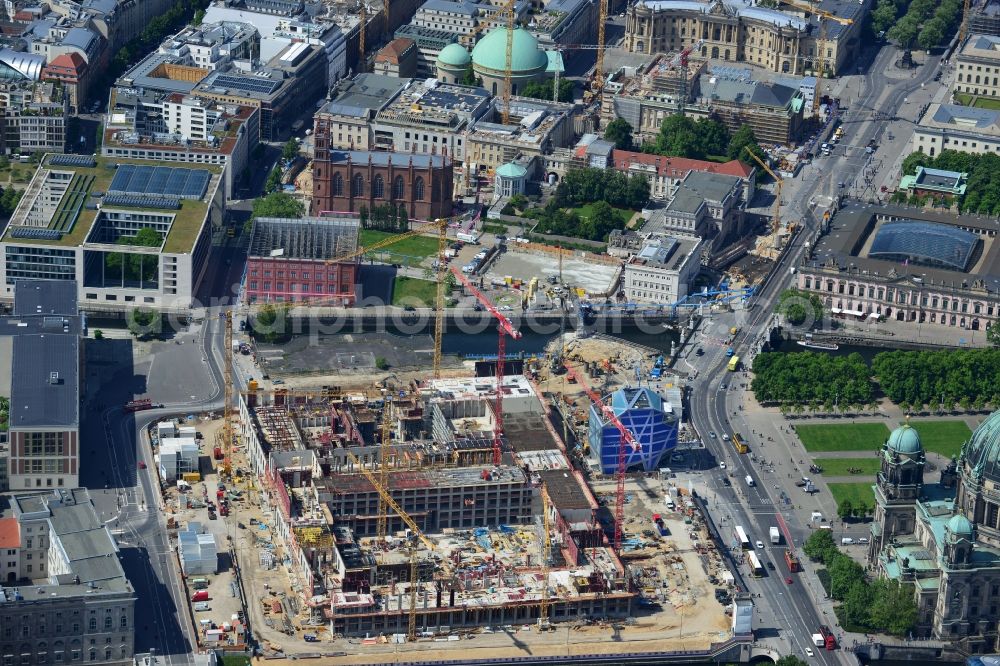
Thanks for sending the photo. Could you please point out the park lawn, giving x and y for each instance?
(944, 437)
(855, 492)
(987, 103)
(411, 291)
(840, 466)
(842, 436)
(963, 98)
(414, 246)
(586, 210)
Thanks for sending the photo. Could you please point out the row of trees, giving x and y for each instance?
(555, 220)
(583, 186)
(880, 605)
(810, 378)
(543, 90)
(914, 379)
(983, 184)
(925, 22)
(385, 217)
(681, 136)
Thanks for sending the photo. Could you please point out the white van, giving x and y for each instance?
(846, 541)
(749, 480)
(202, 606)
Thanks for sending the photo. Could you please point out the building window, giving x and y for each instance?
(418, 189)
(338, 185)
(397, 188)
(378, 187)
(357, 186)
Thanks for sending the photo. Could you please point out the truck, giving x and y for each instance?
(470, 237)
(817, 640)
(794, 566)
(775, 535)
(138, 405)
(829, 640)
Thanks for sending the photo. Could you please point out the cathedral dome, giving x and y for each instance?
(905, 439)
(959, 525)
(982, 451)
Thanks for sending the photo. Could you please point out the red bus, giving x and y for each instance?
(829, 640)
(792, 562)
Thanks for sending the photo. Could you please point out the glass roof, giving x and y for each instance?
(924, 242)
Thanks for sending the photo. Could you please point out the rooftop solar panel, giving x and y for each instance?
(246, 84)
(150, 181)
(73, 160)
(141, 202)
(36, 233)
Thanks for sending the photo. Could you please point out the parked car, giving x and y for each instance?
(142, 465)
(310, 638)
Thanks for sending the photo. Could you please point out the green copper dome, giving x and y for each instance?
(526, 58)
(511, 170)
(454, 55)
(959, 525)
(982, 451)
(905, 439)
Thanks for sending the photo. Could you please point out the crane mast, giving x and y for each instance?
(383, 469)
(626, 438)
(226, 434)
(505, 328)
(439, 296)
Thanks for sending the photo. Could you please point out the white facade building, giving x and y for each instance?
(662, 270)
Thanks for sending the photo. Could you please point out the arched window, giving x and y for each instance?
(418, 189)
(378, 187)
(398, 189)
(93, 624)
(107, 623)
(357, 185)
(338, 185)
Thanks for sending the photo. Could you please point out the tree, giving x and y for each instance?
(678, 137)
(519, 201)
(800, 307)
(543, 90)
(713, 137)
(620, 132)
(198, 17)
(790, 660)
(9, 200)
(273, 182)
(819, 546)
(742, 139)
(845, 509)
(884, 16)
(914, 160)
(290, 150)
(143, 323)
(993, 335)
(892, 608)
(844, 572)
(277, 204)
(904, 32)
(469, 76)
(98, 334)
(381, 363)
(272, 322)
(931, 34)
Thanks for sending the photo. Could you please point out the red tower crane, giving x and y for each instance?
(626, 438)
(505, 328)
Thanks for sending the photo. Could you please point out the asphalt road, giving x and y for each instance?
(786, 612)
(183, 374)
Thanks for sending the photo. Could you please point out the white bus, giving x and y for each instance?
(753, 563)
(741, 536)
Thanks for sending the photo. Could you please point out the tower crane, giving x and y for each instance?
(386, 497)
(383, 467)
(777, 199)
(602, 19)
(225, 436)
(543, 613)
(508, 74)
(820, 44)
(680, 60)
(964, 27)
(505, 328)
(441, 274)
(626, 438)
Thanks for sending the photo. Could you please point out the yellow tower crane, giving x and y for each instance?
(543, 612)
(439, 294)
(602, 19)
(417, 533)
(362, 60)
(508, 62)
(777, 199)
(966, 8)
(383, 467)
(821, 42)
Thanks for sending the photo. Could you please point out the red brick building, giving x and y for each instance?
(288, 261)
(347, 180)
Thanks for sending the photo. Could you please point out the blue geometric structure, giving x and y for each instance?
(651, 420)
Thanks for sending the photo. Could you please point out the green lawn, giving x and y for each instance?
(855, 492)
(842, 436)
(987, 103)
(411, 291)
(942, 437)
(414, 246)
(841, 466)
(586, 210)
(963, 98)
